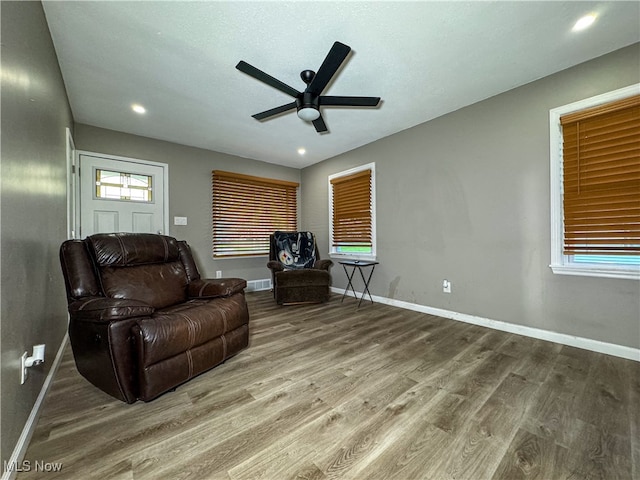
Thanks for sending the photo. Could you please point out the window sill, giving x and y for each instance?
(351, 256)
(587, 270)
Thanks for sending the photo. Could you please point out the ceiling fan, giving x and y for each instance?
(308, 103)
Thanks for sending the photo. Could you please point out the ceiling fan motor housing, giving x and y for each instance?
(307, 100)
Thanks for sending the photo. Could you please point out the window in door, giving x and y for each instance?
(123, 186)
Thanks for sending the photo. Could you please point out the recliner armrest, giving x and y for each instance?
(323, 264)
(105, 310)
(219, 287)
(275, 266)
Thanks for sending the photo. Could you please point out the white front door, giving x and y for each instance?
(121, 195)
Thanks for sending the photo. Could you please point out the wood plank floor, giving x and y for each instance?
(328, 391)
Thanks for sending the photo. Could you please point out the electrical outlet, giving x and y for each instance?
(446, 286)
(36, 359)
(218, 273)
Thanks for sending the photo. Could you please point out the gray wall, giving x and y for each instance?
(463, 197)
(466, 197)
(33, 213)
(189, 190)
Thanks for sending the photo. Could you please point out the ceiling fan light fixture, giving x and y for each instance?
(308, 114)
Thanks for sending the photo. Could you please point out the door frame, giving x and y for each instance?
(133, 161)
(73, 178)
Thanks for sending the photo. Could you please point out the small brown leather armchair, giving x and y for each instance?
(304, 284)
(142, 321)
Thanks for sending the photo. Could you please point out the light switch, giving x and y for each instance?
(179, 220)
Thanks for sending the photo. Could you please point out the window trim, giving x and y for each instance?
(355, 256)
(560, 263)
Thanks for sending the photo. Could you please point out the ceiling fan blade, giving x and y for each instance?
(320, 125)
(274, 111)
(329, 67)
(266, 78)
(349, 101)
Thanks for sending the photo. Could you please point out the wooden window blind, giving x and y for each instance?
(247, 209)
(601, 179)
(351, 214)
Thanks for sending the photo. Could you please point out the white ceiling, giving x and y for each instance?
(424, 59)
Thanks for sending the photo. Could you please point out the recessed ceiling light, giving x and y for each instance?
(584, 22)
(138, 108)
(302, 151)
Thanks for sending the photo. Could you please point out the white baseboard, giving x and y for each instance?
(579, 342)
(27, 432)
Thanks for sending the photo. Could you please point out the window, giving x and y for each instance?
(123, 186)
(595, 186)
(352, 212)
(247, 209)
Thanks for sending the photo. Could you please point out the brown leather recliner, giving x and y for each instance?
(311, 284)
(142, 321)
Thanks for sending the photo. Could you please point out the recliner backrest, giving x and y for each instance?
(144, 267)
(155, 269)
(294, 250)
